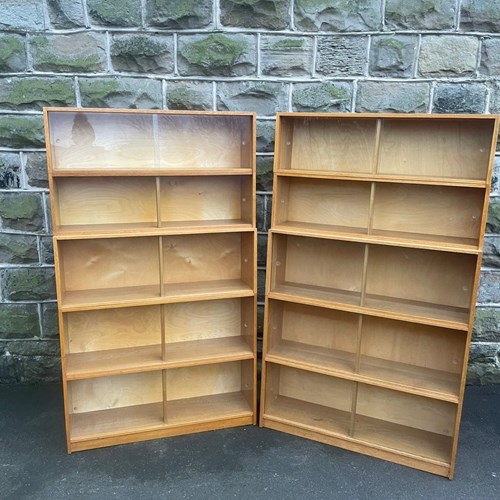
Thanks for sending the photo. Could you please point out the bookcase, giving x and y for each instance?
(373, 268)
(155, 251)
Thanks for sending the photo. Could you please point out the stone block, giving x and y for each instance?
(393, 55)
(50, 322)
(28, 283)
(143, 53)
(486, 325)
(189, 95)
(12, 53)
(19, 321)
(26, 15)
(179, 14)
(66, 14)
(489, 287)
(260, 326)
(265, 173)
(423, 15)
(459, 98)
(493, 220)
(342, 55)
(46, 250)
(265, 136)
(217, 55)
(448, 55)
(114, 92)
(495, 101)
(286, 55)
(10, 171)
(21, 211)
(35, 167)
(265, 98)
(261, 249)
(18, 249)
(338, 15)
(393, 96)
(20, 131)
(484, 363)
(480, 15)
(121, 13)
(262, 14)
(73, 53)
(495, 178)
(261, 285)
(322, 97)
(490, 57)
(264, 207)
(33, 93)
(491, 251)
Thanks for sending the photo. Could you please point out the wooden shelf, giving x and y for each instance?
(101, 171)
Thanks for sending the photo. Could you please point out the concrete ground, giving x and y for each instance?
(243, 463)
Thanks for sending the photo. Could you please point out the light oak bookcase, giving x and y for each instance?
(373, 269)
(155, 253)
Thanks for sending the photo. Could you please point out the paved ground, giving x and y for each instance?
(244, 463)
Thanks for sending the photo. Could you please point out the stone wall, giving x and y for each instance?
(440, 56)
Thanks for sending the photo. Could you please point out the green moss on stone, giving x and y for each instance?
(137, 46)
(176, 8)
(215, 51)
(116, 12)
(22, 131)
(19, 321)
(100, 89)
(392, 43)
(29, 283)
(10, 45)
(289, 43)
(31, 90)
(316, 97)
(493, 222)
(20, 206)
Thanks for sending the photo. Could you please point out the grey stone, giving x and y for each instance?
(495, 102)
(489, 287)
(261, 249)
(484, 364)
(486, 325)
(18, 131)
(189, 95)
(480, 15)
(19, 321)
(338, 15)
(261, 285)
(260, 330)
(393, 55)
(286, 55)
(264, 14)
(10, 171)
(26, 15)
(179, 14)
(143, 53)
(28, 283)
(264, 207)
(490, 57)
(48, 211)
(33, 93)
(448, 55)
(115, 12)
(12, 53)
(393, 96)
(420, 15)
(35, 167)
(493, 220)
(66, 14)
(262, 97)
(50, 323)
(491, 251)
(265, 173)
(46, 250)
(459, 98)
(495, 178)
(342, 55)
(21, 211)
(114, 92)
(322, 97)
(265, 136)
(217, 54)
(72, 53)
(18, 249)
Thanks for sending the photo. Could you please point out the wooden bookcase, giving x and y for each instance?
(155, 255)
(373, 269)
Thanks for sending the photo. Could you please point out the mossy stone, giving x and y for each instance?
(493, 221)
(18, 249)
(115, 12)
(29, 283)
(265, 173)
(486, 325)
(21, 211)
(179, 14)
(321, 97)
(19, 321)
(193, 96)
(50, 323)
(266, 14)
(18, 131)
(12, 53)
(425, 14)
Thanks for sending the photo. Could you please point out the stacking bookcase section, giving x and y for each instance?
(155, 255)
(373, 268)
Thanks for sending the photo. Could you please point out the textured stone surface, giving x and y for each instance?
(50, 324)
(35, 167)
(189, 95)
(265, 136)
(261, 249)
(261, 285)
(142, 53)
(493, 220)
(262, 97)
(448, 55)
(393, 96)
(495, 178)
(322, 97)
(21, 211)
(18, 131)
(264, 14)
(12, 53)
(122, 92)
(28, 283)
(286, 56)
(484, 364)
(18, 249)
(342, 55)
(115, 12)
(489, 287)
(10, 171)
(459, 98)
(179, 14)
(265, 173)
(480, 15)
(23, 15)
(19, 321)
(75, 52)
(217, 54)
(46, 250)
(491, 252)
(420, 15)
(264, 207)
(35, 93)
(338, 15)
(393, 55)
(490, 57)
(495, 101)
(486, 325)
(66, 14)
